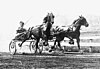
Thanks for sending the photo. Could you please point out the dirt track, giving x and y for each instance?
(44, 61)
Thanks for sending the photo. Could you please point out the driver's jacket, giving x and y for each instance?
(21, 30)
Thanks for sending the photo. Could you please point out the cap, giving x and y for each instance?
(22, 22)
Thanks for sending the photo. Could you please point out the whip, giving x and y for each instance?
(28, 20)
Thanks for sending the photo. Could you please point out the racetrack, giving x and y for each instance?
(53, 61)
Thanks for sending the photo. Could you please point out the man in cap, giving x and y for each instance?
(21, 29)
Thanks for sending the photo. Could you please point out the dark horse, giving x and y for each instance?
(39, 32)
(71, 34)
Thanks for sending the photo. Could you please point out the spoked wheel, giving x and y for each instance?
(12, 47)
(40, 46)
(32, 47)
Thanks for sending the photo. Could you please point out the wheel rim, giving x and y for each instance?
(41, 46)
(12, 47)
(32, 46)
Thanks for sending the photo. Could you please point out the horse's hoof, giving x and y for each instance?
(50, 50)
(45, 44)
(71, 42)
(19, 45)
(40, 52)
(81, 51)
(52, 47)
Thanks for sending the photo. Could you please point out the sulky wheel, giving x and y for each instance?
(41, 46)
(12, 47)
(32, 47)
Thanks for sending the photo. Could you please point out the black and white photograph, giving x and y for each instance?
(49, 34)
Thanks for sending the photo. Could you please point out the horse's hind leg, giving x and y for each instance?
(37, 41)
(20, 45)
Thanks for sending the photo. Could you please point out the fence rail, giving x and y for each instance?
(84, 41)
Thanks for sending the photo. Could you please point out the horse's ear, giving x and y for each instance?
(52, 15)
(48, 14)
(82, 16)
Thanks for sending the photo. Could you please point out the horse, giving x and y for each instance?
(70, 33)
(40, 32)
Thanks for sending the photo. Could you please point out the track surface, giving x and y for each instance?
(47, 61)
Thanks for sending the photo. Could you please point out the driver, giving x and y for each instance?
(21, 29)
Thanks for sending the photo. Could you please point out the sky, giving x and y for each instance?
(65, 11)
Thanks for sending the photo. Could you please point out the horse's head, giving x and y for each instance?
(83, 21)
(50, 20)
(52, 17)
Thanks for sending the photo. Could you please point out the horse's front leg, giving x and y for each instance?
(61, 49)
(60, 45)
(53, 47)
(78, 43)
(71, 40)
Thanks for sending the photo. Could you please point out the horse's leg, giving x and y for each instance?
(20, 45)
(78, 43)
(25, 38)
(71, 40)
(53, 47)
(59, 45)
(37, 41)
(46, 42)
